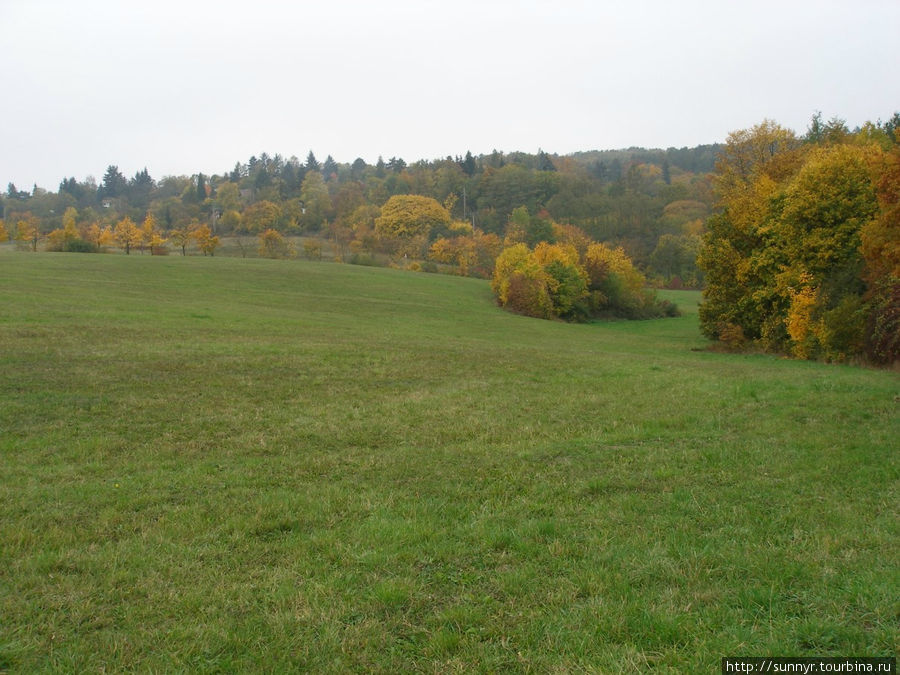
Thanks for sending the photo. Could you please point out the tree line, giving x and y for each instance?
(803, 254)
(650, 203)
(794, 238)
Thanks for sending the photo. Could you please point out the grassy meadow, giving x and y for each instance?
(226, 465)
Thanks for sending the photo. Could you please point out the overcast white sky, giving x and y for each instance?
(195, 85)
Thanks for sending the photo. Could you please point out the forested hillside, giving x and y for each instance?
(794, 238)
(650, 202)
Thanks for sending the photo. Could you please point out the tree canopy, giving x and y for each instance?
(407, 216)
(786, 262)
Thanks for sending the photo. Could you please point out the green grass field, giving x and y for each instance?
(226, 465)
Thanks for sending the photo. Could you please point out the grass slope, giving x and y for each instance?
(226, 465)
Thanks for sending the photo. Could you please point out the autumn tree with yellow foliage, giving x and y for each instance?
(97, 236)
(74, 239)
(273, 245)
(181, 237)
(206, 241)
(151, 235)
(521, 284)
(62, 239)
(260, 216)
(28, 231)
(473, 254)
(127, 234)
(797, 258)
(558, 281)
(406, 221)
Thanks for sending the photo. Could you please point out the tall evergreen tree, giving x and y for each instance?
(396, 164)
(312, 164)
(544, 163)
(114, 183)
(289, 182)
(139, 190)
(72, 187)
(357, 168)
(468, 164)
(201, 187)
(329, 168)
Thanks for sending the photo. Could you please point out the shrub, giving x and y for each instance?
(554, 281)
(57, 241)
(365, 259)
(80, 246)
(526, 293)
(273, 245)
(568, 289)
(611, 272)
(507, 264)
(312, 249)
(731, 336)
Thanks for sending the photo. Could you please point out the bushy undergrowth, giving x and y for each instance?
(365, 259)
(556, 281)
(79, 246)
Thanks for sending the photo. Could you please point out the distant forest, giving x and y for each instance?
(663, 208)
(652, 203)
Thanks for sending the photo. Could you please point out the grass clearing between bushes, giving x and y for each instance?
(217, 464)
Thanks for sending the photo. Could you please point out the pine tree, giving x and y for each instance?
(312, 163)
